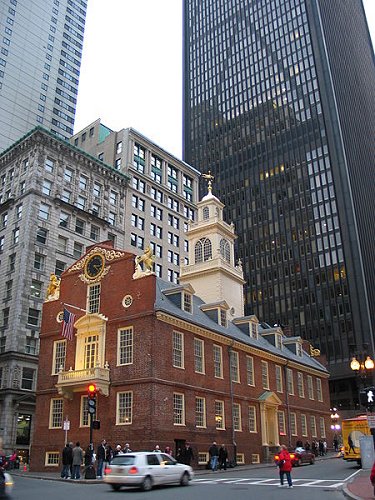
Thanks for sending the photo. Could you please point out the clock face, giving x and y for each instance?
(94, 266)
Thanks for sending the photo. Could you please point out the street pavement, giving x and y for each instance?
(358, 486)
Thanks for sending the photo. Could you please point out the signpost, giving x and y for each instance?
(66, 427)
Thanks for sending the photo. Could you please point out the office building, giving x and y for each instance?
(40, 56)
(279, 104)
(47, 189)
(161, 196)
(170, 366)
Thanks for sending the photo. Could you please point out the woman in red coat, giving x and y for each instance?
(285, 466)
(372, 476)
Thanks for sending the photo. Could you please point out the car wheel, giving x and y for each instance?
(147, 484)
(115, 487)
(184, 479)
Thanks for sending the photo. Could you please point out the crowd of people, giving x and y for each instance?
(73, 457)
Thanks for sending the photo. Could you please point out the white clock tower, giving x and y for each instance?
(211, 270)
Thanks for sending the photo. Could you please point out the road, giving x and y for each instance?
(322, 481)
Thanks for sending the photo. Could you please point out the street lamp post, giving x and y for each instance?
(363, 366)
(335, 426)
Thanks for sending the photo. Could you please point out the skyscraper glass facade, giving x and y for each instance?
(40, 56)
(265, 113)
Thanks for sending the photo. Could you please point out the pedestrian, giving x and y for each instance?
(214, 455)
(100, 457)
(307, 446)
(157, 449)
(321, 448)
(168, 450)
(223, 457)
(127, 448)
(67, 459)
(336, 444)
(372, 477)
(186, 454)
(77, 461)
(314, 448)
(285, 466)
(13, 460)
(117, 450)
(108, 455)
(325, 446)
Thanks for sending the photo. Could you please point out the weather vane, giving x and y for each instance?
(210, 178)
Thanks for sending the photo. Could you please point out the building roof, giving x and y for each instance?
(198, 317)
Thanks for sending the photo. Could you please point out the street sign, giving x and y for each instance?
(66, 425)
(371, 421)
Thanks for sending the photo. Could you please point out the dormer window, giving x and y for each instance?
(206, 213)
(203, 250)
(225, 249)
(186, 302)
(222, 317)
(253, 330)
(299, 349)
(279, 341)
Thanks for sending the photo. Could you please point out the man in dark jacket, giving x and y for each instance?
(214, 455)
(67, 460)
(100, 457)
(186, 455)
(223, 457)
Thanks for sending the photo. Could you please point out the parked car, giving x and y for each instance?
(6, 484)
(299, 456)
(145, 470)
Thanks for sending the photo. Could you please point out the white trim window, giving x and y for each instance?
(218, 361)
(279, 378)
(219, 415)
(300, 385)
(178, 350)
(84, 412)
(265, 378)
(281, 420)
(198, 356)
(125, 346)
(59, 356)
(237, 422)
(322, 427)
(200, 412)
(124, 410)
(250, 371)
(319, 393)
(293, 424)
(252, 419)
(313, 426)
(310, 387)
(178, 409)
(56, 413)
(289, 381)
(52, 459)
(234, 367)
(93, 298)
(303, 425)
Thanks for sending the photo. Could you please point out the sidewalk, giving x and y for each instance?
(360, 488)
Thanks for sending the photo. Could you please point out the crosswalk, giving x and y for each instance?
(254, 481)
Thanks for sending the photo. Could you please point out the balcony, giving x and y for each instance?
(72, 381)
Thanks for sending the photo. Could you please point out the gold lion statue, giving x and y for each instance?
(147, 259)
(53, 287)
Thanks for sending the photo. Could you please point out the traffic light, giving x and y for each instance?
(367, 397)
(91, 401)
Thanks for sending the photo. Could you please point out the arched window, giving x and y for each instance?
(206, 213)
(225, 249)
(203, 250)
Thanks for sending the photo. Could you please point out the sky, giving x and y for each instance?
(131, 72)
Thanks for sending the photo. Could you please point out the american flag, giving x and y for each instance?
(68, 324)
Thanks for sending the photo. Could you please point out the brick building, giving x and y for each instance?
(171, 366)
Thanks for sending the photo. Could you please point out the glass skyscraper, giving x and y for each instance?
(40, 56)
(279, 104)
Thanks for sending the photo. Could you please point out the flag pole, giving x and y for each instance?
(75, 307)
